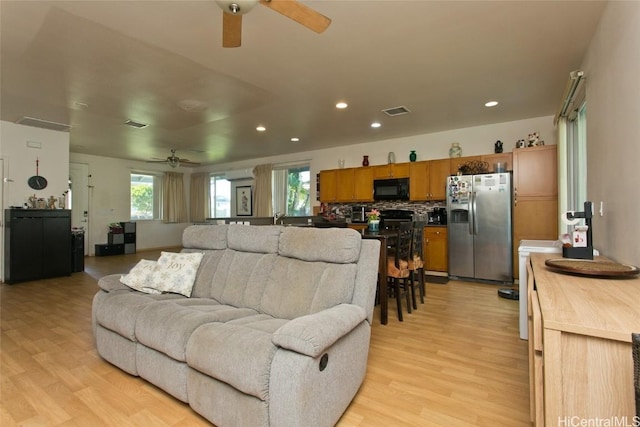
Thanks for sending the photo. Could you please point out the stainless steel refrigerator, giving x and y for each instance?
(479, 227)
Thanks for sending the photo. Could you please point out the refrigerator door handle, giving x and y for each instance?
(471, 214)
(474, 220)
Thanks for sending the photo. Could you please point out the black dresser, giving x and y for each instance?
(37, 244)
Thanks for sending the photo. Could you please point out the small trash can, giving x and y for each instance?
(77, 251)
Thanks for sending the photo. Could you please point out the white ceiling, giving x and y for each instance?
(138, 59)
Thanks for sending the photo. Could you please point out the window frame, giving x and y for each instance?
(157, 195)
(213, 177)
(280, 199)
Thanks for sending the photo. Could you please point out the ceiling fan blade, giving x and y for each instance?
(231, 30)
(300, 13)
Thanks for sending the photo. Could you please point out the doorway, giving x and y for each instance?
(79, 189)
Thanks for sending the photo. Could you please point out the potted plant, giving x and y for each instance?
(373, 219)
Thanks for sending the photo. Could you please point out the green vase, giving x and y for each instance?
(413, 156)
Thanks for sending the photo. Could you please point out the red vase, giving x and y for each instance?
(365, 161)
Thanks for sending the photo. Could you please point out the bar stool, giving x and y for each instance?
(398, 266)
(416, 262)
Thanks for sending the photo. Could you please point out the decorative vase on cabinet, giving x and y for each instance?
(365, 161)
(413, 156)
(374, 225)
(391, 158)
(455, 150)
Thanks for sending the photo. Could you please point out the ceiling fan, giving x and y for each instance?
(234, 9)
(173, 160)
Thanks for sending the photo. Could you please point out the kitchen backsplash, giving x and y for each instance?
(420, 209)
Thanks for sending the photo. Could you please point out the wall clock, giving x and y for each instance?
(37, 182)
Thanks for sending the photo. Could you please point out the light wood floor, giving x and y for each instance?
(456, 361)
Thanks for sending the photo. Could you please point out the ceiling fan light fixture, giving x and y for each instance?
(174, 162)
(236, 7)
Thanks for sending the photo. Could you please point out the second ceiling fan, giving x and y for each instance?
(292, 9)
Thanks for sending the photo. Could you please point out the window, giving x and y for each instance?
(577, 158)
(146, 195)
(219, 197)
(290, 189)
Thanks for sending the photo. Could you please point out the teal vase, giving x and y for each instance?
(413, 156)
(374, 225)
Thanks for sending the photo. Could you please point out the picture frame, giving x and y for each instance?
(244, 201)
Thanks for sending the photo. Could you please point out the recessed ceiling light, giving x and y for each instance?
(375, 125)
(491, 104)
(261, 128)
(294, 139)
(341, 105)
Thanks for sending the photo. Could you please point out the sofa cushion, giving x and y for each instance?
(166, 326)
(205, 237)
(238, 352)
(118, 311)
(263, 239)
(241, 277)
(295, 288)
(310, 244)
(208, 266)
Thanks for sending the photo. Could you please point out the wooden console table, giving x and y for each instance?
(581, 366)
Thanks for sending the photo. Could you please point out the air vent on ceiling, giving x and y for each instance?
(396, 111)
(135, 124)
(44, 124)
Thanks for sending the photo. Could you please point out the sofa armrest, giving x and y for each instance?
(111, 283)
(313, 334)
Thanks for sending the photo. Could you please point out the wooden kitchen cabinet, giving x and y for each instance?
(435, 248)
(354, 185)
(535, 196)
(580, 337)
(428, 179)
(419, 181)
(392, 170)
(456, 162)
(492, 159)
(535, 172)
(329, 185)
(439, 170)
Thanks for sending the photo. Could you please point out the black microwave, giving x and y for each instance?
(391, 189)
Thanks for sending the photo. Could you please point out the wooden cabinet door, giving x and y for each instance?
(492, 159)
(435, 249)
(328, 185)
(533, 220)
(345, 180)
(363, 184)
(381, 172)
(439, 170)
(535, 172)
(419, 181)
(56, 246)
(456, 162)
(399, 170)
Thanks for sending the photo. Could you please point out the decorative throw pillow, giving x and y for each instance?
(139, 277)
(176, 272)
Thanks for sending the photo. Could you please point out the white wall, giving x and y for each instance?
(109, 201)
(20, 161)
(612, 68)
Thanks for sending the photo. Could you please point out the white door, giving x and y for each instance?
(79, 185)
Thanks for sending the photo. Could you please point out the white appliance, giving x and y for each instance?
(479, 227)
(528, 247)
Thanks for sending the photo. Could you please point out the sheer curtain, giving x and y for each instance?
(262, 196)
(199, 197)
(279, 191)
(174, 205)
